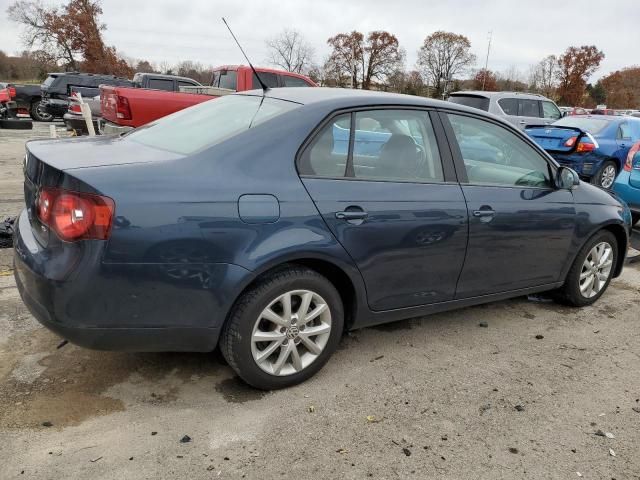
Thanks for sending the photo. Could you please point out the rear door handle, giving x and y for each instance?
(352, 215)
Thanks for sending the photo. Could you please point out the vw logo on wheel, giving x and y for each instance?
(292, 332)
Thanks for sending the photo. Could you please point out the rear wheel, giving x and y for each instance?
(38, 112)
(606, 175)
(283, 330)
(591, 271)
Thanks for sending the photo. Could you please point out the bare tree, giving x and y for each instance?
(289, 50)
(543, 76)
(346, 55)
(442, 56)
(381, 57)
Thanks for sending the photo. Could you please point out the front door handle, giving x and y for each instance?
(484, 213)
(352, 215)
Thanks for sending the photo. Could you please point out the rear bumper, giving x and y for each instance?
(585, 165)
(123, 307)
(107, 128)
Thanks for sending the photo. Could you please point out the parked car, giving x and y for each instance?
(627, 184)
(73, 119)
(521, 109)
(28, 100)
(126, 108)
(603, 111)
(57, 88)
(9, 116)
(238, 223)
(595, 146)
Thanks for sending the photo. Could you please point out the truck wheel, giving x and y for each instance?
(591, 271)
(15, 124)
(282, 331)
(606, 175)
(38, 113)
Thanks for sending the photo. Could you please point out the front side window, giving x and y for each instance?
(528, 108)
(493, 155)
(229, 79)
(388, 145)
(209, 123)
(549, 110)
(269, 79)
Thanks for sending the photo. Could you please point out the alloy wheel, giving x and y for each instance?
(608, 176)
(596, 270)
(291, 332)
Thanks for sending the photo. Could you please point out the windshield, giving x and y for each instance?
(474, 101)
(209, 123)
(591, 125)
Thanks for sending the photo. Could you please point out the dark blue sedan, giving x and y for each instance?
(269, 224)
(595, 146)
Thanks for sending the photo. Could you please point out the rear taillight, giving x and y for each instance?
(123, 111)
(76, 215)
(628, 165)
(584, 147)
(12, 92)
(75, 108)
(571, 142)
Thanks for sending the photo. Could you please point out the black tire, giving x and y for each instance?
(38, 114)
(598, 178)
(569, 293)
(235, 339)
(16, 124)
(6, 242)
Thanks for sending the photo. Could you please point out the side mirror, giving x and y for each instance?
(567, 178)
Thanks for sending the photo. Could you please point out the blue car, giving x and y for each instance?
(595, 146)
(627, 185)
(268, 223)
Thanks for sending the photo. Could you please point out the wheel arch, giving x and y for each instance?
(622, 239)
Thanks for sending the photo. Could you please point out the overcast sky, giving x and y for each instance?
(524, 31)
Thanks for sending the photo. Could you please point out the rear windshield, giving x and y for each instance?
(209, 123)
(474, 101)
(591, 125)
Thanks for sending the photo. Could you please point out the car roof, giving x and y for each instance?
(482, 93)
(607, 118)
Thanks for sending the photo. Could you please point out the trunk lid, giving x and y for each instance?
(554, 138)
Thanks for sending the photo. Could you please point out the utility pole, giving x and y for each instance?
(486, 62)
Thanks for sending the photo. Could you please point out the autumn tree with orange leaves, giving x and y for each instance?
(485, 80)
(70, 35)
(575, 67)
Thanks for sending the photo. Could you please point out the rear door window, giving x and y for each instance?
(509, 106)
(528, 108)
(161, 84)
(269, 79)
(290, 81)
(473, 101)
(624, 131)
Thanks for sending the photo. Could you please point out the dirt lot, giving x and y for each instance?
(435, 397)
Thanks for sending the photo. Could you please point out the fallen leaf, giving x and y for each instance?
(311, 409)
(609, 435)
(341, 451)
(579, 474)
(611, 452)
(373, 419)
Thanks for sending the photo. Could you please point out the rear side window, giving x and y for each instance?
(624, 131)
(389, 145)
(474, 101)
(186, 84)
(269, 79)
(493, 155)
(528, 108)
(49, 80)
(509, 106)
(290, 81)
(209, 123)
(161, 84)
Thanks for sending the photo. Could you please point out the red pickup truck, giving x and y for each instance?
(124, 108)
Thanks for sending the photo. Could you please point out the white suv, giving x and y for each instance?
(521, 109)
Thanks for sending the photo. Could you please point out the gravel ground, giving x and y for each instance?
(524, 397)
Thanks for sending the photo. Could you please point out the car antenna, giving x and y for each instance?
(262, 84)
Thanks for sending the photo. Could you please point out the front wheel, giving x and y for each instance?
(591, 271)
(282, 331)
(606, 175)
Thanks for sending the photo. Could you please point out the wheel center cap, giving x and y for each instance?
(292, 332)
